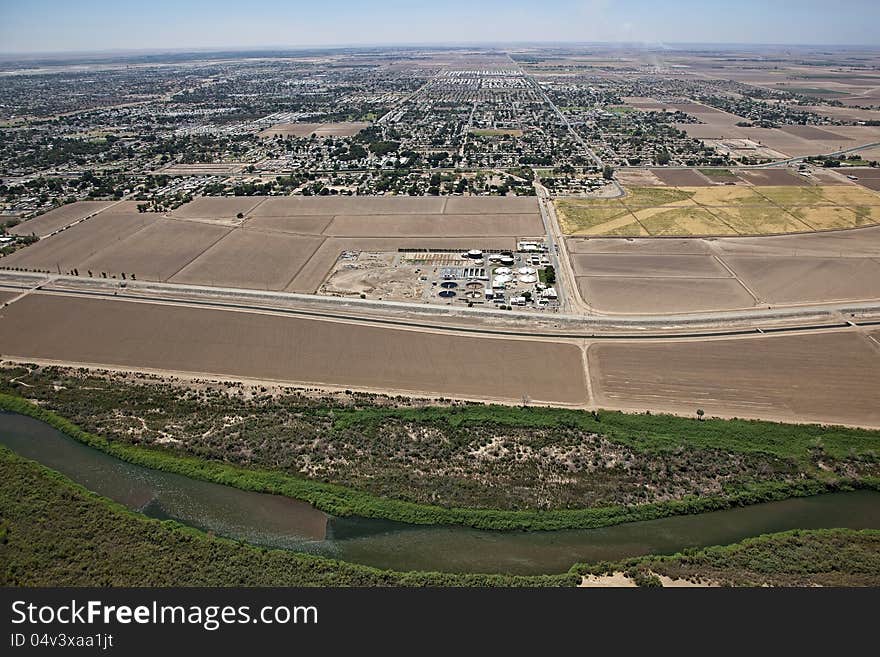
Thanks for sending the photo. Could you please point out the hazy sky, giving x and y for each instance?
(59, 25)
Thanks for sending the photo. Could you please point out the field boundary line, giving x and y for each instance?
(735, 275)
(324, 239)
(203, 251)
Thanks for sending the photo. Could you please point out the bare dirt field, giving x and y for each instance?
(374, 274)
(294, 241)
(343, 129)
(808, 279)
(298, 225)
(250, 259)
(829, 378)
(638, 178)
(58, 218)
(663, 295)
(867, 176)
(158, 251)
(6, 296)
(681, 177)
(450, 225)
(217, 207)
(271, 347)
(681, 275)
(641, 246)
(491, 205)
(812, 133)
(642, 265)
(771, 177)
(293, 206)
(72, 247)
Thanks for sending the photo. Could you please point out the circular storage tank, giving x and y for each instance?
(474, 286)
(449, 285)
(528, 278)
(447, 294)
(476, 254)
(503, 271)
(501, 280)
(525, 271)
(506, 261)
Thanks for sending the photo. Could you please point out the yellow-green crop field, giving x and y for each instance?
(721, 210)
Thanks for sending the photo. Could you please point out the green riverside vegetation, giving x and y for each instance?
(820, 557)
(54, 532)
(343, 501)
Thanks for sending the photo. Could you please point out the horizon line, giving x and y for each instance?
(427, 44)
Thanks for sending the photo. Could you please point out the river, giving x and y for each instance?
(280, 522)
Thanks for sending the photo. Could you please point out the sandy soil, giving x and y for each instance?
(638, 178)
(619, 580)
(283, 348)
(373, 274)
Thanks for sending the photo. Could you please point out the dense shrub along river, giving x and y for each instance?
(284, 523)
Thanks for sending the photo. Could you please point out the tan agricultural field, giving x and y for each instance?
(285, 242)
(343, 129)
(688, 275)
(640, 246)
(291, 206)
(300, 225)
(642, 265)
(630, 295)
(217, 207)
(786, 280)
(828, 378)
(683, 221)
(448, 225)
(771, 177)
(250, 259)
(56, 219)
(681, 177)
(273, 347)
(71, 248)
(158, 251)
(490, 205)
